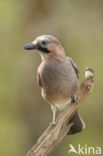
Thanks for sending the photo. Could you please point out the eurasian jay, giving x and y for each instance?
(57, 75)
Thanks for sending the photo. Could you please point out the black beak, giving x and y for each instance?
(30, 46)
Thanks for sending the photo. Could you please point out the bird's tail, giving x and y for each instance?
(78, 124)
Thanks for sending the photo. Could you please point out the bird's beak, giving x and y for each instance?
(30, 46)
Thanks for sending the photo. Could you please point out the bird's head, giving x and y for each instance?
(48, 46)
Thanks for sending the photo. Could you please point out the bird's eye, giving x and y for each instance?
(44, 42)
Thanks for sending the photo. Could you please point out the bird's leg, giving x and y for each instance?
(73, 98)
(54, 109)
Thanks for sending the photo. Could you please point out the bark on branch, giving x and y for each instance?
(53, 135)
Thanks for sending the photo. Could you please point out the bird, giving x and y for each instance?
(57, 76)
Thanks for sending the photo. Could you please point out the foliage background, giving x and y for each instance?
(24, 115)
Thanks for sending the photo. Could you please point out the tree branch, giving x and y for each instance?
(53, 135)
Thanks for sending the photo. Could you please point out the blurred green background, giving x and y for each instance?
(24, 115)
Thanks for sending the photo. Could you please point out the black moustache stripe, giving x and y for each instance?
(45, 50)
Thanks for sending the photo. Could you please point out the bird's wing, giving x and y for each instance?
(74, 66)
(39, 80)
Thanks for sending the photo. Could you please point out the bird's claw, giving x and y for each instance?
(52, 123)
(74, 98)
